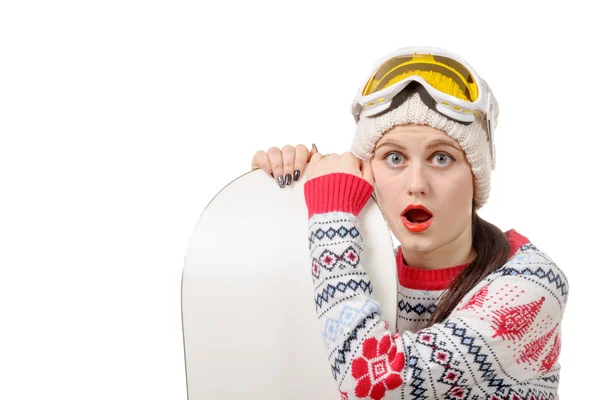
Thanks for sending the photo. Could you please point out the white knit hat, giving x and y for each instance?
(472, 138)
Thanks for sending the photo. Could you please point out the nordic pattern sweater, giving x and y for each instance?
(502, 341)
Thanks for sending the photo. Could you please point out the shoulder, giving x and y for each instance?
(530, 264)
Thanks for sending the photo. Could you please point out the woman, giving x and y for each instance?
(479, 310)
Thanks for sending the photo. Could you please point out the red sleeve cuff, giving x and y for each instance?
(336, 192)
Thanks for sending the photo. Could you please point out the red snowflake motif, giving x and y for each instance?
(344, 395)
(512, 322)
(477, 299)
(351, 256)
(426, 338)
(451, 376)
(328, 260)
(552, 356)
(457, 393)
(378, 369)
(441, 356)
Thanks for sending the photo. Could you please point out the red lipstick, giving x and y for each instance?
(416, 225)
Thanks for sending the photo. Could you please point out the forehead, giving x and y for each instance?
(407, 129)
(409, 134)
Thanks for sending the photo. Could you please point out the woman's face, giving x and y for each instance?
(418, 164)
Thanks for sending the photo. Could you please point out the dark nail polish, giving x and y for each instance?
(272, 176)
(315, 147)
(288, 179)
(296, 174)
(280, 181)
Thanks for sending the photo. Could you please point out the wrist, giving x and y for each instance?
(336, 192)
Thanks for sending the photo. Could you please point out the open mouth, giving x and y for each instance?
(416, 218)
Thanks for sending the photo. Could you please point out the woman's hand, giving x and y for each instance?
(281, 164)
(348, 163)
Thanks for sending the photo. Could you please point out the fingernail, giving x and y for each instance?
(288, 179)
(280, 181)
(315, 147)
(272, 176)
(296, 174)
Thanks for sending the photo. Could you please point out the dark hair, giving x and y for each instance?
(492, 248)
(489, 242)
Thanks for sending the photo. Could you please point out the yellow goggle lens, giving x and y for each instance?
(443, 73)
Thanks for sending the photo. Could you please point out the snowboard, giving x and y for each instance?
(250, 327)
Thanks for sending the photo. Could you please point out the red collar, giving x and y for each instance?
(439, 279)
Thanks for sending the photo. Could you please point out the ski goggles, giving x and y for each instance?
(459, 93)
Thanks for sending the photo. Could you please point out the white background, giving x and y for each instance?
(120, 120)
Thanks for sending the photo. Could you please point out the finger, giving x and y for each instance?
(302, 157)
(316, 158)
(313, 150)
(351, 164)
(353, 159)
(311, 165)
(367, 171)
(289, 156)
(276, 161)
(260, 160)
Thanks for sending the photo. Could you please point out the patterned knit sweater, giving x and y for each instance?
(502, 341)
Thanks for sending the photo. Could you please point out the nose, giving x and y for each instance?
(417, 181)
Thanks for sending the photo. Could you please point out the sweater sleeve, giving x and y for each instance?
(503, 334)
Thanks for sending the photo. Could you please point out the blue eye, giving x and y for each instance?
(441, 157)
(394, 158)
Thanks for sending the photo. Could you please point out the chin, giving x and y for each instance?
(417, 242)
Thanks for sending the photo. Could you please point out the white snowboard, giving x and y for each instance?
(249, 322)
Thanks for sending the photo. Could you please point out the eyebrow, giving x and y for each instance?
(437, 142)
(442, 142)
